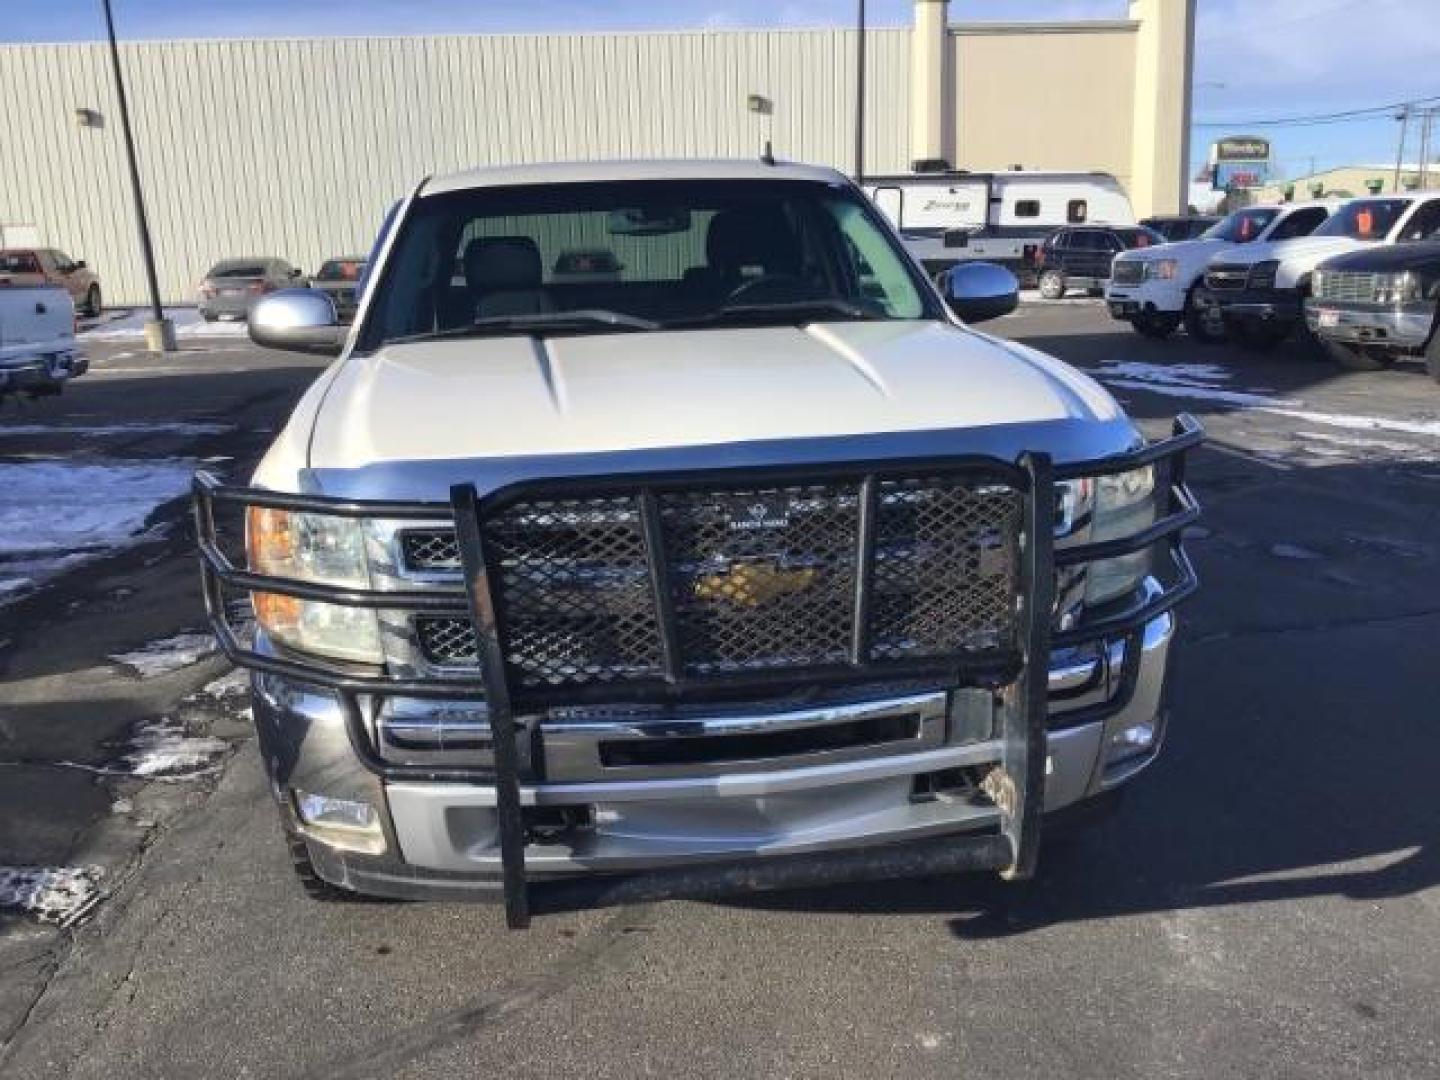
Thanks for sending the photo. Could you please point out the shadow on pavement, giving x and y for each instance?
(1302, 744)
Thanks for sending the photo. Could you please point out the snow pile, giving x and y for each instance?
(188, 324)
(163, 657)
(57, 514)
(62, 895)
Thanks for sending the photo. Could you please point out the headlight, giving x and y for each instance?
(1317, 283)
(1396, 288)
(1124, 505)
(1164, 269)
(315, 548)
(1262, 274)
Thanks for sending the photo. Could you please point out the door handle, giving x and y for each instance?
(40, 308)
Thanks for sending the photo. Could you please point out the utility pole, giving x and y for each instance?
(860, 91)
(1425, 117)
(159, 331)
(1404, 117)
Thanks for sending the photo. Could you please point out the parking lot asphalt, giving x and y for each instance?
(1266, 903)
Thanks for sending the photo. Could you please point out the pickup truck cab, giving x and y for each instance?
(1373, 306)
(38, 354)
(751, 567)
(47, 266)
(1157, 289)
(1261, 288)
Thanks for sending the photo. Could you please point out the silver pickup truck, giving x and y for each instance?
(750, 566)
(38, 354)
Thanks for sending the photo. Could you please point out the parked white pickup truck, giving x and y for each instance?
(1261, 288)
(1156, 289)
(38, 354)
(749, 566)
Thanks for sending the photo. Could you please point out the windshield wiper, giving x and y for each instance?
(796, 311)
(535, 322)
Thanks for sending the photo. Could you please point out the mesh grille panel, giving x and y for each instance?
(762, 577)
(946, 566)
(447, 640)
(574, 591)
(759, 578)
(430, 549)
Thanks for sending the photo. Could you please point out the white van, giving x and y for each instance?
(950, 217)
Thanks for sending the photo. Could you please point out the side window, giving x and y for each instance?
(1027, 208)
(1085, 241)
(1076, 210)
(1300, 223)
(1424, 223)
(882, 275)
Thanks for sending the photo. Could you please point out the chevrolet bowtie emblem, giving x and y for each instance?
(751, 584)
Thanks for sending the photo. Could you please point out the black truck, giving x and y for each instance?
(1370, 307)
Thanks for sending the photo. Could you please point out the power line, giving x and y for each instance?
(1318, 118)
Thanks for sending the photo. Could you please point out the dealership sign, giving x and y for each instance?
(1240, 161)
(1242, 148)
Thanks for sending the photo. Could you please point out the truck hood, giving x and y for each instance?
(1186, 251)
(1389, 258)
(610, 396)
(1303, 249)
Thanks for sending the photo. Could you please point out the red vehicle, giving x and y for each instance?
(47, 266)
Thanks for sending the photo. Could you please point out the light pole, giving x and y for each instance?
(860, 91)
(159, 331)
(1404, 117)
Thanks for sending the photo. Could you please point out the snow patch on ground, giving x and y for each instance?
(161, 750)
(178, 427)
(1203, 382)
(232, 684)
(167, 655)
(188, 324)
(56, 514)
(1340, 445)
(61, 895)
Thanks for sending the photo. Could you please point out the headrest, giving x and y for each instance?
(752, 237)
(494, 263)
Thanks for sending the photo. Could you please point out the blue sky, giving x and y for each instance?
(1254, 59)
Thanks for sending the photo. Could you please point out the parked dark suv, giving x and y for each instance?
(1080, 257)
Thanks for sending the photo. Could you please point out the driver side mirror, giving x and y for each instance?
(977, 291)
(81, 265)
(298, 320)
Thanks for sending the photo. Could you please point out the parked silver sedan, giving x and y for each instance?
(232, 285)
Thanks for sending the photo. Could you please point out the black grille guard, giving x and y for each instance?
(1020, 774)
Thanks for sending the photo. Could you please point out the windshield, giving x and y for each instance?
(638, 255)
(1364, 219)
(1240, 227)
(237, 270)
(1141, 237)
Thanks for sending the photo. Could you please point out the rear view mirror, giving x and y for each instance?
(81, 265)
(649, 221)
(977, 291)
(295, 272)
(299, 320)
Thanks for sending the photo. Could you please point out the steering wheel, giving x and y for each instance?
(772, 289)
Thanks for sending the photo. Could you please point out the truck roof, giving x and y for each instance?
(576, 172)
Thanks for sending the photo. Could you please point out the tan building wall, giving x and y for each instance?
(295, 147)
(1017, 87)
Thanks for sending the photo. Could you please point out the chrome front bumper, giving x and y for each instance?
(1393, 327)
(436, 839)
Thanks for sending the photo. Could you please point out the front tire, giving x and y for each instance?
(1356, 357)
(1052, 284)
(1203, 320)
(1432, 356)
